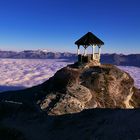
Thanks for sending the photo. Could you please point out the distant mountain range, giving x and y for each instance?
(116, 59)
(120, 59)
(36, 54)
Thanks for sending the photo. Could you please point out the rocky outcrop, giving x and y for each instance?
(78, 87)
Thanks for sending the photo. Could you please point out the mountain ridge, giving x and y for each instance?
(115, 59)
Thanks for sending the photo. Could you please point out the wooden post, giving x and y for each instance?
(93, 51)
(85, 51)
(78, 50)
(99, 51)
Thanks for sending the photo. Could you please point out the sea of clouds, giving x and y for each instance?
(22, 73)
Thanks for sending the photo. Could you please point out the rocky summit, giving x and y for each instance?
(78, 87)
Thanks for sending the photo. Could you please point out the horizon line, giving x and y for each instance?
(64, 51)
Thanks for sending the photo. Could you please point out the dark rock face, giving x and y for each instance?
(97, 124)
(10, 134)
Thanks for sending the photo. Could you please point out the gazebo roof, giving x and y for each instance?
(89, 39)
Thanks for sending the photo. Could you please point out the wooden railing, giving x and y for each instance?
(88, 57)
(96, 56)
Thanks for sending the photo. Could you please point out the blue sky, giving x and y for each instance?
(56, 24)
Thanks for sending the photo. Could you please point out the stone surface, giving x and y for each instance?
(87, 86)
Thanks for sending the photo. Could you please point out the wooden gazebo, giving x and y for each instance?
(87, 40)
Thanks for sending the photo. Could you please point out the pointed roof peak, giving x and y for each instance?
(89, 39)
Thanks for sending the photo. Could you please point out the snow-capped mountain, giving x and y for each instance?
(36, 54)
